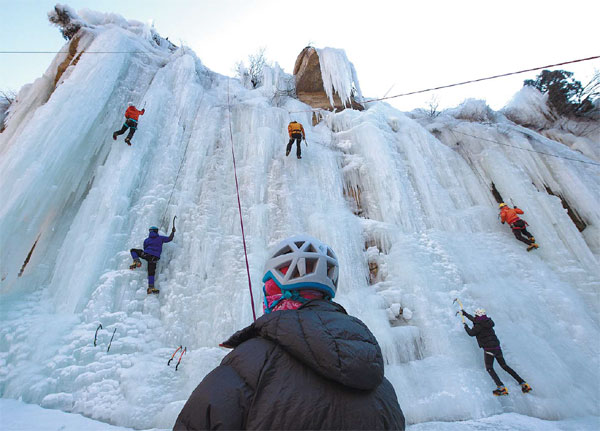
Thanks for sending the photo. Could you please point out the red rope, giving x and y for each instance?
(237, 190)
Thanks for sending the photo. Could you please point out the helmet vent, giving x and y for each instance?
(285, 250)
(299, 244)
(330, 253)
(311, 265)
(295, 273)
(311, 249)
(331, 272)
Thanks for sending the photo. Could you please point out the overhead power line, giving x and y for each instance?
(527, 149)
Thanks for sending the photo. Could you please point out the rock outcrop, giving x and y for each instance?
(309, 83)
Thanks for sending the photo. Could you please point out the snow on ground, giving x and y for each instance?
(404, 201)
(18, 416)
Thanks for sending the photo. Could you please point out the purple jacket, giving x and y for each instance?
(153, 244)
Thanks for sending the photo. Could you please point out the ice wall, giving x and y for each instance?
(404, 201)
(339, 75)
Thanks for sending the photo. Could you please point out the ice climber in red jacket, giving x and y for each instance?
(131, 120)
(518, 226)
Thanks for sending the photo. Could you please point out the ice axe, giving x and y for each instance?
(96, 334)
(456, 300)
(174, 222)
(305, 143)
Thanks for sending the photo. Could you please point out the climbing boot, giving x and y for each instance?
(500, 391)
(115, 136)
(525, 387)
(128, 141)
(299, 156)
(287, 152)
(151, 289)
(136, 264)
(532, 246)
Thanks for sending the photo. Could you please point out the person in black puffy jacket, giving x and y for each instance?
(483, 330)
(305, 364)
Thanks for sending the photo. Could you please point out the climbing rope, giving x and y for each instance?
(237, 190)
(464, 82)
(527, 149)
(163, 219)
(482, 79)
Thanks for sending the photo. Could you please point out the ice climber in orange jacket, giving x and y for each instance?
(131, 120)
(518, 226)
(296, 132)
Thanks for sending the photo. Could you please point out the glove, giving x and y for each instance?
(503, 222)
(173, 230)
(143, 110)
(466, 326)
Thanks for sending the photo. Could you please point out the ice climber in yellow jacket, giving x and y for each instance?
(296, 132)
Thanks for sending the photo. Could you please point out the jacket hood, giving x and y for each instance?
(484, 321)
(325, 338)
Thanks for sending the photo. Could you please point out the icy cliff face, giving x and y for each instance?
(339, 76)
(404, 201)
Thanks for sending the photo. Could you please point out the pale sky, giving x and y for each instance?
(402, 45)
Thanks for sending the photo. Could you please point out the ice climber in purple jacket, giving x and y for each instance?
(151, 253)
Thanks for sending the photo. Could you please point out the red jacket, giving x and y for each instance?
(510, 214)
(133, 113)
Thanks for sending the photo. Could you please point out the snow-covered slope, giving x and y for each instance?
(405, 202)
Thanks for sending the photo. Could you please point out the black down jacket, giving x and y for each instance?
(315, 368)
(483, 329)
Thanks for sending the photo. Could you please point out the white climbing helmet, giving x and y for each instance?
(311, 265)
(480, 312)
(130, 104)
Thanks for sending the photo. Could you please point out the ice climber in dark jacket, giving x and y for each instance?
(304, 365)
(151, 253)
(483, 329)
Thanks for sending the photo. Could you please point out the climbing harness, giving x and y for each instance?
(180, 356)
(96, 335)
(239, 204)
(111, 338)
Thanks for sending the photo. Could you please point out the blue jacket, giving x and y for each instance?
(153, 244)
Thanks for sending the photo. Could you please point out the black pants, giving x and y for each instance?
(136, 253)
(518, 229)
(298, 138)
(129, 123)
(489, 356)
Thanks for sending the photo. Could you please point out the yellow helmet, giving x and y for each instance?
(502, 204)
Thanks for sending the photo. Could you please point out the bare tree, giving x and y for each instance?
(256, 64)
(7, 97)
(589, 95)
(432, 104)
